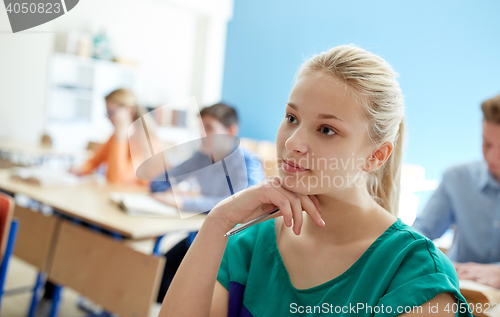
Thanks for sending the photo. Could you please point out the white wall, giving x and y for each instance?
(164, 37)
(23, 69)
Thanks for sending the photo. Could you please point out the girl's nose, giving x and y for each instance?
(297, 142)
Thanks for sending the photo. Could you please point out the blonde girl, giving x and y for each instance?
(122, 109)
(336, 247)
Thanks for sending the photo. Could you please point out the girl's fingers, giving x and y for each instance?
(273, 190)
(486, 281)
(315, 201)
(296, 205)
(281, 201)
(311, 205)
(467, 276)
(300, 203)
(297, 214)
(291, 205)
(312, 210)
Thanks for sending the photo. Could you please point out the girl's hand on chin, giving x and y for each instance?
(264, 197)
(121, 120)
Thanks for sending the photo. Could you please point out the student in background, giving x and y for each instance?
(469, 198)
(122, 108)
(217, 119)
(346, 106)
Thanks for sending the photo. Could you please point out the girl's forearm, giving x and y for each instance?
(191, 291)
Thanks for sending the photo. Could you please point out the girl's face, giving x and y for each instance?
(322, 143)
(118, 113)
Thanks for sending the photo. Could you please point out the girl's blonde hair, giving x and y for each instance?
(126, 98)
(375, 84)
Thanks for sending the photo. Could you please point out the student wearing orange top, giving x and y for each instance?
(122, 109)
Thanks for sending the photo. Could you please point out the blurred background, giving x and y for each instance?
(246, 53)
(54, 77)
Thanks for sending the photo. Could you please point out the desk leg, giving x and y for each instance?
(40, 279)
(156, 250)
(56, 301)
(192, 235)
(7, 255)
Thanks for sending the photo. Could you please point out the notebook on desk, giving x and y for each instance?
(488, 298)
(137, 204)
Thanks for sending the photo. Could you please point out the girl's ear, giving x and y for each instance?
(378, 157)
(233, 129)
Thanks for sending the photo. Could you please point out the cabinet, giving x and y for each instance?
(75, 110)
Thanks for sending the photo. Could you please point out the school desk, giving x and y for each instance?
(35, 154)
(482, 300)
(92, 258)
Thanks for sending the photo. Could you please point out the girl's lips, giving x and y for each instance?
(291, 168)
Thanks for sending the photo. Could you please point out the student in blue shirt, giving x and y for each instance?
(217, 119)
(469, 198)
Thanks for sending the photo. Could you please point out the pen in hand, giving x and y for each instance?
(252, 222)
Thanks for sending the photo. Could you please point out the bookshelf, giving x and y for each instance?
(75, 111)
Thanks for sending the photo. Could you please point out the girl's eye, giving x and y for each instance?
(291, 119)
(327, 131)
(324, 130)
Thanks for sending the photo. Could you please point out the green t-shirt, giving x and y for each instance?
(400, 270)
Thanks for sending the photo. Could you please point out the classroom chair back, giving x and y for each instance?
(8, 232)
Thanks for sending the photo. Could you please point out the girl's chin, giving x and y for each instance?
(302, 187)
(289, 184)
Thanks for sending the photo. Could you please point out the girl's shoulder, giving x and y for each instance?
(402, 241)
(407, 256)
(411, 268)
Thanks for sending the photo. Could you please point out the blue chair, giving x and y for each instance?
(8, 233)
